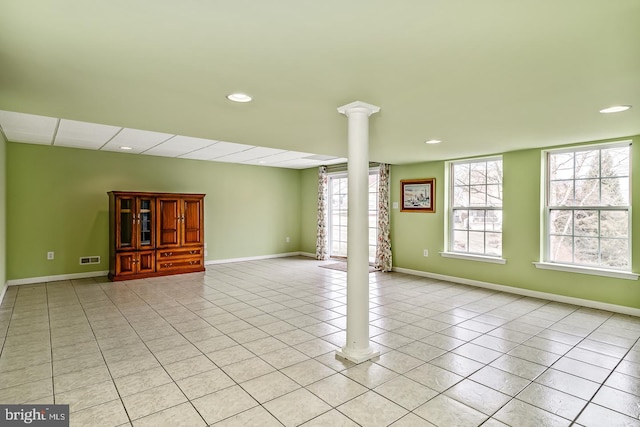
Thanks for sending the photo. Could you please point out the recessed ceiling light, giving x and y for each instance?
(433, 141)
(615, 109)
(126, 148)
(239, 97)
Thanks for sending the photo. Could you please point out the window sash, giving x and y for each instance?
(479, 238)
(587, 248)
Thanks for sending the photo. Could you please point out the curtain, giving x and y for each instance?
(383, 250)
(322, 238)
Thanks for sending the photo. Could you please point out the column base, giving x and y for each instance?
(357, 356)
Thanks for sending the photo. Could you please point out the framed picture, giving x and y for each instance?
(418, 195)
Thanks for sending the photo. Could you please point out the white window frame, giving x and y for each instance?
(545, 256)
(449, 228)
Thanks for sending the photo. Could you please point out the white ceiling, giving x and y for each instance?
(483, 76)
(32, 129)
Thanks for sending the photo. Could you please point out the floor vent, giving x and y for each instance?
(89, 260)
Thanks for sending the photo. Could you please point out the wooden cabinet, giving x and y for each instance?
(155, 234)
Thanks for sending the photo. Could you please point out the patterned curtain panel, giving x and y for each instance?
(383, 250)
(322, 238)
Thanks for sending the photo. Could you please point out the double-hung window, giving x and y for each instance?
(587, 209)
(475, 207)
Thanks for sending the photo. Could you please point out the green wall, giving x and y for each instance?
(3, 214)
(411, 233)
(57, 201)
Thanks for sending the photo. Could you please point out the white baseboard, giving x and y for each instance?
(251, 258)
(526, 292)
(42, 279)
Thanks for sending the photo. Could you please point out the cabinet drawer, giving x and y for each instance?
(179, 264)
(167, 254)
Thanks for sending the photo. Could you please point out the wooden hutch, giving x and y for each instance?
(155, 234)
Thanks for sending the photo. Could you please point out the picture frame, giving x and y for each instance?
(418, 195)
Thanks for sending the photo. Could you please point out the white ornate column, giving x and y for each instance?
(357, 348)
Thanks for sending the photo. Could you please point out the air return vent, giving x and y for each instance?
(89, 260)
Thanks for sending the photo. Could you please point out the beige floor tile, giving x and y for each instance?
(478, 396)
(82, 378)
(444, 411)
(618, 400)
(153, 400)
(25, 375)
(296, 407)
(336, 389)
(307, 372)
(265, 345)
(204, 383)
(141, 381)
(269, 386)
(434, 377)
(412, 420)
(182, 415)
(523, 414)
(189, 367)
(108, 414)
(499, 380)
(28, 392)
(597, 416)
(223, 404)
(256, 416)
(126, 367)
(332, 418)
(88, 396)
(405, 392)
(247, 369)
(373, 410)
(284, 357)
(570, 384)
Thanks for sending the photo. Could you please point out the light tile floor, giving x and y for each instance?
(253, 344)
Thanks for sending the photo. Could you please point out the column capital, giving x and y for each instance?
(358, 107)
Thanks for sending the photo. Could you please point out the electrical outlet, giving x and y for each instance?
(50, 255)
(425, 252)
(287, 239)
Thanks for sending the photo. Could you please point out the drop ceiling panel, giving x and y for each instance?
(138, 140)
(179, 145)
(84, 135)
(255, 153)
(216, 150)
(20, 127)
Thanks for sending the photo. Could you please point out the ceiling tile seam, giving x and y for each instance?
(55, 132)
(110, 139)
(198, 149)
(231, 154)
(159, 143)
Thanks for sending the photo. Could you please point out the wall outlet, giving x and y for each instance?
(425, 252)
(287, 239)
(395, 205)
(50, 255)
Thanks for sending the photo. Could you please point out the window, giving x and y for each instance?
(475, 207)
(338, 212)
(587, 206)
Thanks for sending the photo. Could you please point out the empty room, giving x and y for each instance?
(355, 213)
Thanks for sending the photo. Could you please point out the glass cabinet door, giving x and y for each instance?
(145, 222)
(126, 211)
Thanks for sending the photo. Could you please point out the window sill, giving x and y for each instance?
(470, 257)
(617, 274)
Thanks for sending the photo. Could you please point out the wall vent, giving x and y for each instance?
(89, 260)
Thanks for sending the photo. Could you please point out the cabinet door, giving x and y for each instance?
(168, 222)
(146, 262)
(126, 222)
(192, 221)
(145, 222)
(126, 263)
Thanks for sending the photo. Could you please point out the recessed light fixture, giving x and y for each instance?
(239, 97)
(433, 141)
(126, 148)
(615, 109)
